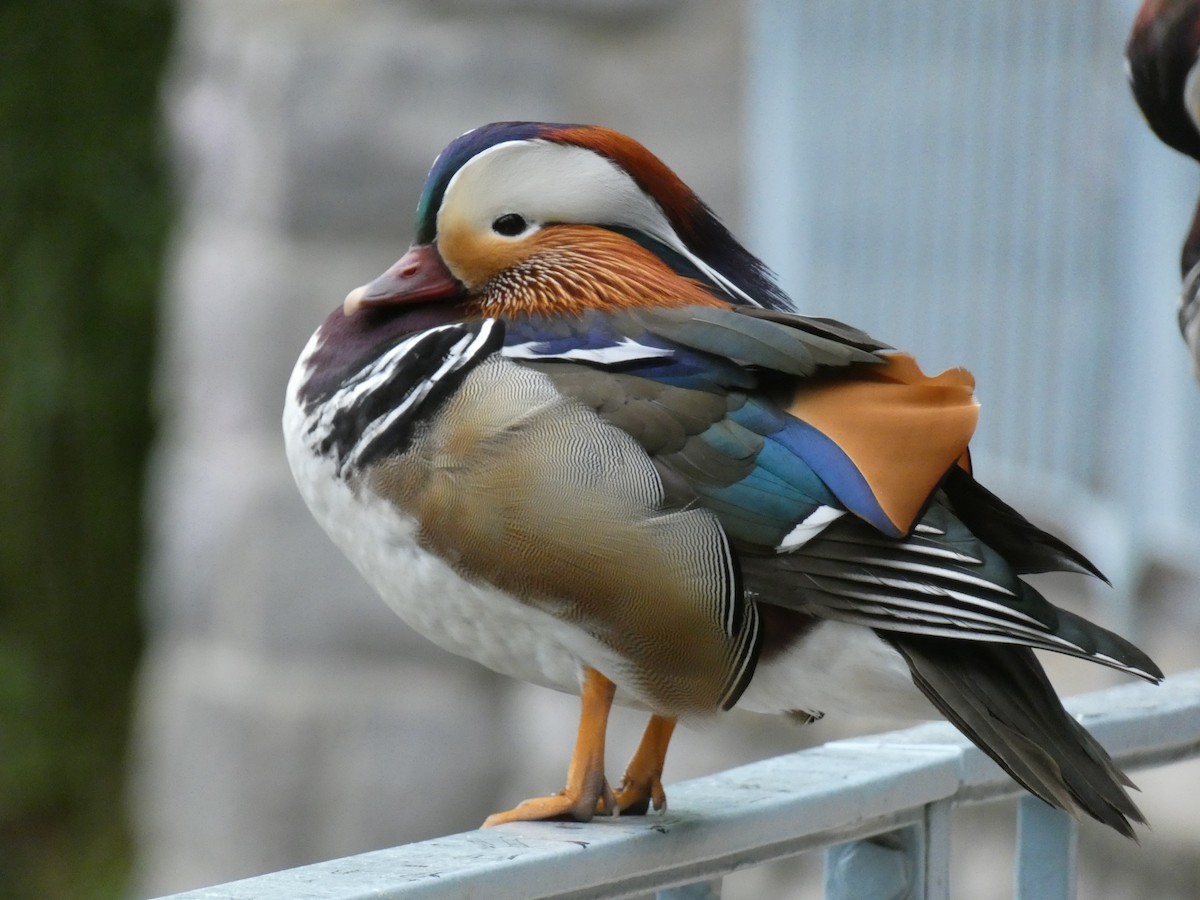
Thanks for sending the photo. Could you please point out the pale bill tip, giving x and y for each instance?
(354, 300)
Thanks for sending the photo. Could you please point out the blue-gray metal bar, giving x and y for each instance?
(1047, 852)
(703, 890)
(911, 862)
(779, 201)
(843, 791)
(937, 850)
(883, 866)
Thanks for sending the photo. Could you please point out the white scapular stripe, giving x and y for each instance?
(941, 552)
(972, 606)
(626, 350)
(899, 565)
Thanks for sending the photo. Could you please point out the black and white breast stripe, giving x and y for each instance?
(746, 654)
(739, 618)
(373, 413)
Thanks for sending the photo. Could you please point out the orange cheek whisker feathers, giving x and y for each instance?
(575, 268)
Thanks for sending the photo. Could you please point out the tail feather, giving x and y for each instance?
(1106, 647)
(998, 695)
(1027, 548)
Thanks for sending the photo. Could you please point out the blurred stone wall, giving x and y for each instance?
(287, 716)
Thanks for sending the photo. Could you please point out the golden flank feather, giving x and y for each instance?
(651, 587)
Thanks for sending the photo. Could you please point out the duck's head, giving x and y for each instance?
(527, 217)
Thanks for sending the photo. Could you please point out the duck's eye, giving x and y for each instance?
(509, 225)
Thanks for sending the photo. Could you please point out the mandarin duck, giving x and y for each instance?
(1161, 57)
(578, 434)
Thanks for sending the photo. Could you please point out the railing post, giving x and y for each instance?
(701, 890)
(882, 866)
(937, 851)
(1047, 845)
(912, 862)
(886, 865)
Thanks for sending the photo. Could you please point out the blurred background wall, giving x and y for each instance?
(283, 714)
(83, 217)
(286, 715)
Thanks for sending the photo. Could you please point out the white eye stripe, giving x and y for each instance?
(549, 182)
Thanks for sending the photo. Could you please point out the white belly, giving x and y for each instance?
(837, 668)
(476, 621)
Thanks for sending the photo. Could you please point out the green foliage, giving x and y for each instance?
(83, 214)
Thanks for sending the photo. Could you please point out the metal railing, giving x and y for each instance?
(882, 805)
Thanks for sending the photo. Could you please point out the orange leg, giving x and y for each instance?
(642, 785)
(587, 791)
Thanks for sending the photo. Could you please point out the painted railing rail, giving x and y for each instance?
(882, 805)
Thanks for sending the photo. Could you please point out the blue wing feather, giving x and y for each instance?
(760, 470)
(837, 471)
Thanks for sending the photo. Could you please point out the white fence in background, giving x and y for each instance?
(883, 805)
(973, 182)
